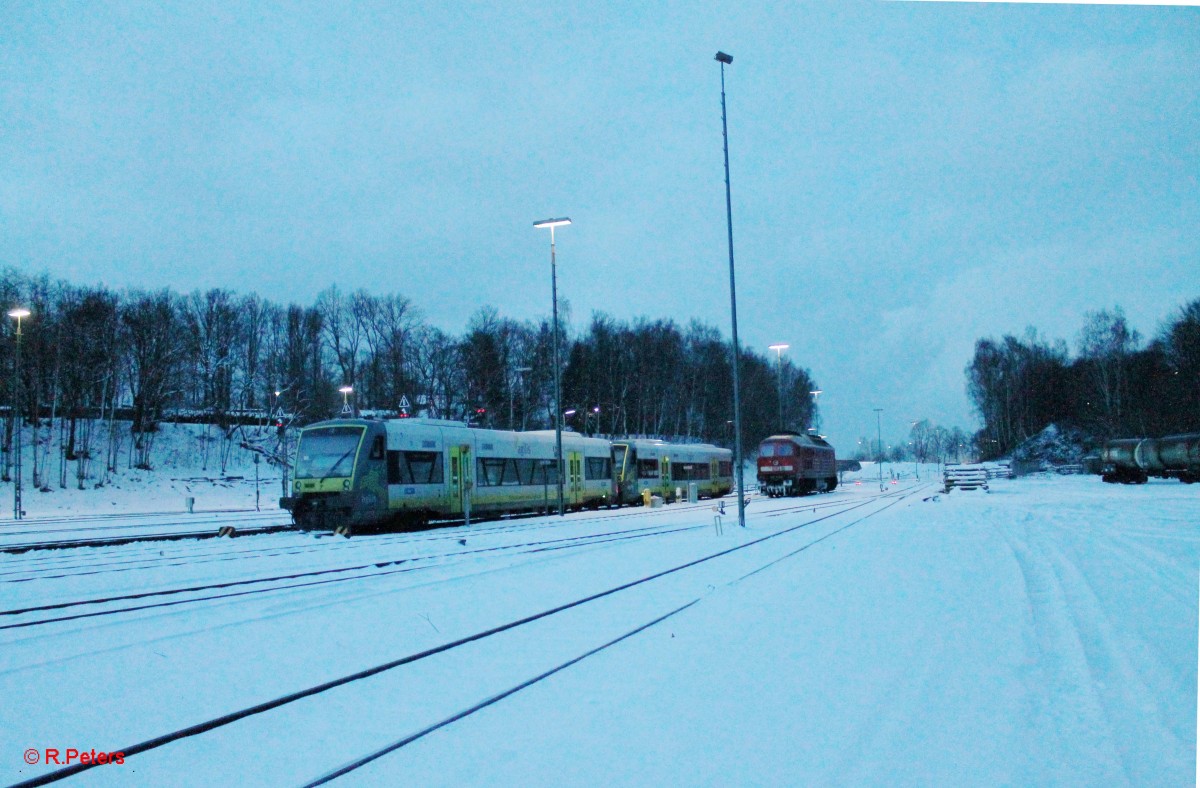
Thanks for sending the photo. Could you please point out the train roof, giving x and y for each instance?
(797, 437)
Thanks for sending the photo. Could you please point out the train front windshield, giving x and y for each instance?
(327, 451)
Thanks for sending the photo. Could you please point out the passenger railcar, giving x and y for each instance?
(792, 464)
(364, 474)
(1135, 460)
(662, 468)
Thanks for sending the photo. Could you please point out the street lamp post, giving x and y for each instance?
(726, 60)
(552, 223)
(879, 445)
(17, 510)
(779, 348)
(346, 409)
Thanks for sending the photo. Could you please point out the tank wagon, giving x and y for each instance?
(1135, 460)
(365, 474)
(661, 468)
(793, 464)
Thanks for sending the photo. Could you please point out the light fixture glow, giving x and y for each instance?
(552, 222)
(19, 312)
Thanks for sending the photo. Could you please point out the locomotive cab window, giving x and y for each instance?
(327, 451)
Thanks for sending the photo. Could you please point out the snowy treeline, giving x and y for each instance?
(93, 353)
(1113, 387)
(926, 442)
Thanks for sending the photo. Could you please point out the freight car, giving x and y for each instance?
(361, 474)
(793, 464)
(662, 468)
(1135, 460)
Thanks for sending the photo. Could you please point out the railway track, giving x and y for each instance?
(887, 500)
(408, 541)
(386, 568)
(69, 567)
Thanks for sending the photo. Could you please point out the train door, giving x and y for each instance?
(575, 477)
(713, 472)
(460, 479)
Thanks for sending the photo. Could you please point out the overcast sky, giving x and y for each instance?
(907, 177)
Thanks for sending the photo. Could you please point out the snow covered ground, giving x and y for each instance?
(1045, 633)
(188, 460)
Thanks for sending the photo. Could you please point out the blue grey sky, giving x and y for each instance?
(907, 177)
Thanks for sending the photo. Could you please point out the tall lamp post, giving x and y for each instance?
(879, 445)
(552, 223)
(816, 414)
(17, 512)
(726, 60)
(346, 409)
(779, 348)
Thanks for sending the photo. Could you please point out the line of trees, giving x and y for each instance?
(1112, 387)
(927, 442)
(230, 360)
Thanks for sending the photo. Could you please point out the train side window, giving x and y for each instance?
(491, 471)
(397, 470)
(377, 448)
(424, 467)
(647, 469)
(548, 473)
(599, 468)
(511, 476)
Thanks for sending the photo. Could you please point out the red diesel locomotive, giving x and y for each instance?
(793, 464)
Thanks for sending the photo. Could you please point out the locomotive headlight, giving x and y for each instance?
(346, 484)
(296, 485)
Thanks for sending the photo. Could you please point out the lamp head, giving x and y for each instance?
(19, 312)
(724, 58)
(346, 389)
(552, 222)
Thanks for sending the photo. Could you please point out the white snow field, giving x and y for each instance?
(1042, 634)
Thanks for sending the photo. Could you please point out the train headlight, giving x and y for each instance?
(346, 484)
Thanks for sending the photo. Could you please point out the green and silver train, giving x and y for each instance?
(667, 469)
(363, 474)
